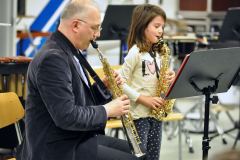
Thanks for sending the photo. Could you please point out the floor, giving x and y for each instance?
(170, 147)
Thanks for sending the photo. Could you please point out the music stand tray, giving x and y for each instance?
(203, 73)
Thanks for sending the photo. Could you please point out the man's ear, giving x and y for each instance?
(75, 25)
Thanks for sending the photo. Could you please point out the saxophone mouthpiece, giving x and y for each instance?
(94, 44)
(160, 41)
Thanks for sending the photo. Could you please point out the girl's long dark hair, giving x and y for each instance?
(141, 17)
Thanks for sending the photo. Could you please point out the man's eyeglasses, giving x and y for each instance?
(95, 28)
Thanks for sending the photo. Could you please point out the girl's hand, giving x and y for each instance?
(170, 76)
(151, 102)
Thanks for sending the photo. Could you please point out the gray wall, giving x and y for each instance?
(8, 14)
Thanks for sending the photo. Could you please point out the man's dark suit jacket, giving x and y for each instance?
(62, 118)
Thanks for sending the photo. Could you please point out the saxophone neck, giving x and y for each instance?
(165, 49)
(95, 46)
(100, 54)
(162, 45)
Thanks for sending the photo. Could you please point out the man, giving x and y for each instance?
(63, 120)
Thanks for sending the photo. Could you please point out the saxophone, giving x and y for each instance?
(127, 119)
(162, 85)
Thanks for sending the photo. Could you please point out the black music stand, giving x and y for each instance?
(230, 30)
(229, 34)
(116, 24)
(204, 73)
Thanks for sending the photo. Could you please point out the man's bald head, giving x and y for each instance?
(77, 8)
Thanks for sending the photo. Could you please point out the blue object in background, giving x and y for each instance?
(46, 21)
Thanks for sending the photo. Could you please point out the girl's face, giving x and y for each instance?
(154, 29)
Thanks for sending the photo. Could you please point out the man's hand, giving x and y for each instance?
(119, 80)
(118, 106)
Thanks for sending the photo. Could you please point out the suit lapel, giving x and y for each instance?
(76, 66)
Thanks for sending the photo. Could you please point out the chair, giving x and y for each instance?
(11, 111)
(114, 123)
(114, 127)
(172, 117)
(215, 111)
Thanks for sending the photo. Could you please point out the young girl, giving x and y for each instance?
(140, 70)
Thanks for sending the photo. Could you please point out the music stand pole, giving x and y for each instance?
(207, 92)
(206, 140)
